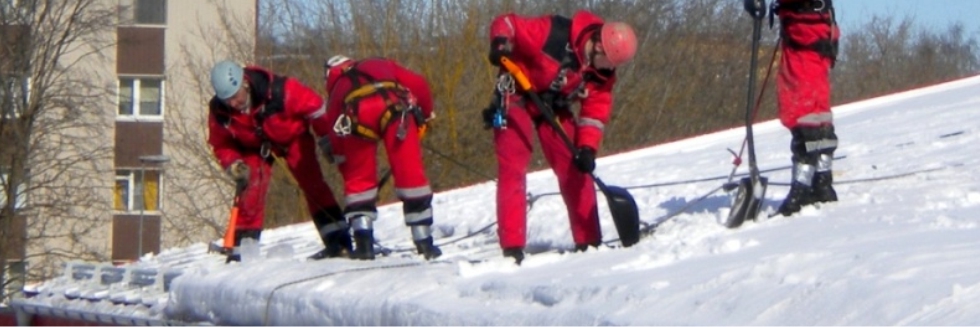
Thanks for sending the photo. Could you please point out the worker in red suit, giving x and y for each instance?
(254, 117)
(568, 60)
(809, 41)
(374, 101)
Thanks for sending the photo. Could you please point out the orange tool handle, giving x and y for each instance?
(515, 71)
(229, 242)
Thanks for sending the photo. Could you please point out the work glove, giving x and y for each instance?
(499, 47)
(326, 148)
(756, 8)
(239, 173)
(488, 117)
(584, 159)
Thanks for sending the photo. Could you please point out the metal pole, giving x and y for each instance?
(142, 190)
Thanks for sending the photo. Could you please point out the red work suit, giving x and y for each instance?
(277, 124)
(540, 46)
(809, 37)
(384, 85)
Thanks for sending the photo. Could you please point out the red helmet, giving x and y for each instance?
(334, 68)
(618, 42)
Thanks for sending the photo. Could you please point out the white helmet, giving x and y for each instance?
(334, 68)
(226, 78)
(337, 60)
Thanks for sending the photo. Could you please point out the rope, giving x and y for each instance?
(268, 299)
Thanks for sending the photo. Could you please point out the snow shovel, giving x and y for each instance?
(749, 192)
(622, 206)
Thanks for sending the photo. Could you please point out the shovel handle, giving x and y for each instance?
(229, 239)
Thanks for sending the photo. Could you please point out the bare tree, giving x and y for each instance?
(52, 105)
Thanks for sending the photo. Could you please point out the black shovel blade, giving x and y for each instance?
(746, 201)
(625, 214)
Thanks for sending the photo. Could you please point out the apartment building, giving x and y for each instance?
(142, 178)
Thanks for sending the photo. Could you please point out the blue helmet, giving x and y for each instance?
(226, 78)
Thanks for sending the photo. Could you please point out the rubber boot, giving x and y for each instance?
(334, 232)
(516, 253)
(363, 245)
(800, 191)
(427, 248)
(337, 244)
(585, 247)
(823, 189)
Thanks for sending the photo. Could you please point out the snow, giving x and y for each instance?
(899, 248)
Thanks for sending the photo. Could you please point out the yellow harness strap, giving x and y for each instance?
(393, 107)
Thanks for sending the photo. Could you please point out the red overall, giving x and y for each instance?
(234, 135)
(356, 153)
(804, 75)
(540, 45)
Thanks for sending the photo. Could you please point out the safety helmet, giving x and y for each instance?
(226, 78)
(618, 41)
(334, 68)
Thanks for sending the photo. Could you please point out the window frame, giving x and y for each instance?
(131, 178)
(136, 97)
(128, 13)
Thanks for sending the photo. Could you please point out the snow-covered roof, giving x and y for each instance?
(900, 247)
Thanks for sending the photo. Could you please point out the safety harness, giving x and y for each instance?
(398, 100)
(823, 13)
(559, 46)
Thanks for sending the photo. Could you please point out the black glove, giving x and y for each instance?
(500, 47)
(488, 117)
(584, 159)
(239, 173)
(756, 8)
(326, 148)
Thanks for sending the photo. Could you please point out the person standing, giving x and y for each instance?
(254, 117)
(573, 60)
(375, 101)
(809, 42)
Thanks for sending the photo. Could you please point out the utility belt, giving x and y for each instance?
(399, 103)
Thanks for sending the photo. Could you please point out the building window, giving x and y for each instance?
(140, 97)
(132, 195)
(14, 92)
(143, 12)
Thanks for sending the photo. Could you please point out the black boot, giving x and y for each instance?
(585, 247)
(427, 248)
(516, 253)
(798, 197)
(364, 245)
(334, 233)
(337, 244)
(823, 190)
(823, 180)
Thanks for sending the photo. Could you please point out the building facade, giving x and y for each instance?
(120, 167)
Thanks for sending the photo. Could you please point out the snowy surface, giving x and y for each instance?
(901, 247)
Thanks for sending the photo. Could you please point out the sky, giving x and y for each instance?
(934, 14)
(899, 248)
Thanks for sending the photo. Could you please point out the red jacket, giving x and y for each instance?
(538, 50)
(232, 133)
(379, 70)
